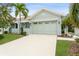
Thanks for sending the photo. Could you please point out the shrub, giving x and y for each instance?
(77, 40)
(23, 33)
(21, 30)
(1, 36)
(5, 32)
(74, 49)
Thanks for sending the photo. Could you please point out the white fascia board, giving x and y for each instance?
(42, 20)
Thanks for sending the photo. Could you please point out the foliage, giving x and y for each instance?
(5, 32)
(5, 17)
(74, 12)
(1, 37)
(66, 21)
(20, 9)
(77, 40)
(22, 33)
(74, 49)
(21, 30)
(72, 19)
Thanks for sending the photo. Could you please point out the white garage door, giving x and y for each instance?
(44, 27)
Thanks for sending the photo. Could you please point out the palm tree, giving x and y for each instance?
(20, 9)
(74, 15)
(72, 19)
(67, 24)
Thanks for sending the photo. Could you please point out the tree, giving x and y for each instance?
(72, 19)
(74, 14)
(67, 23)
(20, 9)
(5, 17)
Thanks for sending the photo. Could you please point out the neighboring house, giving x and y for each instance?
(42, 22)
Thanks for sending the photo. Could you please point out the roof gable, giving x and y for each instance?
(46, 11)
(45, 15)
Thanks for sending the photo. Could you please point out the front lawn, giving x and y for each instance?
(62, 47)
(9, 37)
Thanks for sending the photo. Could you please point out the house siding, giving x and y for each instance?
(43, 16)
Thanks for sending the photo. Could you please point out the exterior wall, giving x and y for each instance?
(43, 16)
(14, 30)
(44, 28)
(58, 26)
(48, 17)
(76, 31)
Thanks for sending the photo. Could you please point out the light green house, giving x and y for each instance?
(42, 22)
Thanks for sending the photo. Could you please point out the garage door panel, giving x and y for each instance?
(44, 28)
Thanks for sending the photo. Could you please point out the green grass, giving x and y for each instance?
(62, 47)
(9, 37)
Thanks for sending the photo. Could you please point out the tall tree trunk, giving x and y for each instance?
(19, 23)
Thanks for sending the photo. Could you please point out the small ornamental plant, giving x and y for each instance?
(74, 49)
(1, 36)
(77, 40)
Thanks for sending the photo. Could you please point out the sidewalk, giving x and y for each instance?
(62, 38)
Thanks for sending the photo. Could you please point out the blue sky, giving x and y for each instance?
(62, 8)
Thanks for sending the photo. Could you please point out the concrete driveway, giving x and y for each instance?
(31, 45)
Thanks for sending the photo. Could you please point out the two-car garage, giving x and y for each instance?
(45, 22)
(44, 27)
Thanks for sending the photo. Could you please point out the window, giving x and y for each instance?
(52, 21)
(46, 22)
(16, 25)
(27, 25)
(40, 22)
(35, 23)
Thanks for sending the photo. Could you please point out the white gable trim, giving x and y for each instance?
(42, 20)
(51, 12)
